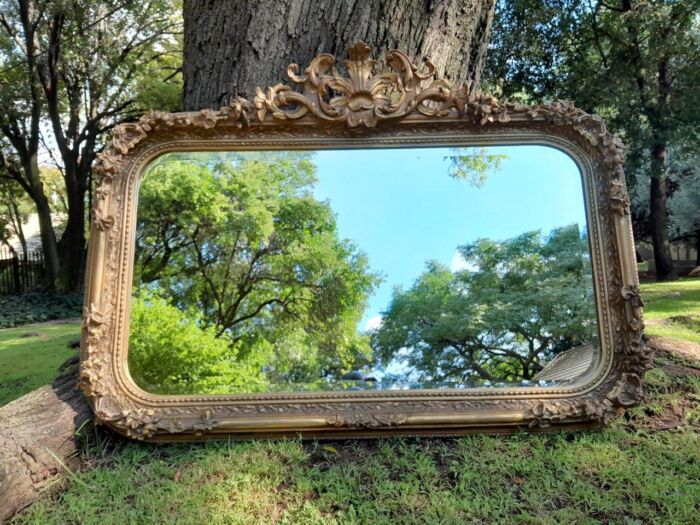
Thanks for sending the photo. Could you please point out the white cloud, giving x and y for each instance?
(373, 323)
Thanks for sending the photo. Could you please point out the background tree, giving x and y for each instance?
(15, 208)
(636, 62)
(232, 47)
(69, 71)
(242, 241)
(524, 300)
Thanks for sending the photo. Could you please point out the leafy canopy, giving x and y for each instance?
(518, 303)
(241, 240)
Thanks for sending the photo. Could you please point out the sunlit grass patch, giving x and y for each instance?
(672, 309)
(30, 356)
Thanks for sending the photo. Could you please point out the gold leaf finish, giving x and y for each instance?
(372, 104)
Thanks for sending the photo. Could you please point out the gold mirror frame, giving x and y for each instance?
(376, 105)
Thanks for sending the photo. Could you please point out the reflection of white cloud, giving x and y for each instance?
(458, 263)
(373, 323)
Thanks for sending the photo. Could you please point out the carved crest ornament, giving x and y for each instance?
(393, 102)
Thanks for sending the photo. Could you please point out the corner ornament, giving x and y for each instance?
(369, 94)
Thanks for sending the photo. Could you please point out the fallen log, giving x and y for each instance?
(38, 439)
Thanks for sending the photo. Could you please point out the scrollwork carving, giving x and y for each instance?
(409, 102)
(367, 420)
(370, 93)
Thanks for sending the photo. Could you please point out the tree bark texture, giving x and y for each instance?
(35, 430)
(658, 213)
(233, 47)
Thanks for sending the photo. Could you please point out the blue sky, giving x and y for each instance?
(402, 209)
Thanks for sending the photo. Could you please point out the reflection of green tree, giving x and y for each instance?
(170, 353)
(474, 164)
(242, 241)
(520, 302)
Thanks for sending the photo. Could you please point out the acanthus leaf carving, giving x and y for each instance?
(96, 321)
(369, 94)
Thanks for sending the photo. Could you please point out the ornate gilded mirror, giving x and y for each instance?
(373, 252)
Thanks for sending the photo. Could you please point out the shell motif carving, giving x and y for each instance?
(370, 93)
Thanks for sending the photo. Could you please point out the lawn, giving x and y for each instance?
(645, 468)
(672, 309)
(30, 356)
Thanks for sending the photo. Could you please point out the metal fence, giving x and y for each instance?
(21, 272)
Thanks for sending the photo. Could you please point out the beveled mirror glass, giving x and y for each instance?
(372, 251)
(361, 269)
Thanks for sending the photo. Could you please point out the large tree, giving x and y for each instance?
(636, 62)
(232, 47)
(70, 71)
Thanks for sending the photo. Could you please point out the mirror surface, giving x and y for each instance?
(365, 269)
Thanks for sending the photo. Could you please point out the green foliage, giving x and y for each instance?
(170, 354)
(242, 240)
(474, 164)
(16, 310)
(634, 62)
(15, 207)
(523, 301)
(30, 356)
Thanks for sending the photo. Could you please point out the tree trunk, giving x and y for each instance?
(38, 433)
(658, 212)
(49, 245)
(233, 47)
(697, 247)
(72, 244)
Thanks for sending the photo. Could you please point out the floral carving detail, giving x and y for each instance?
(206, 422)
(639, 355)
(140, 423)
(633, 297)
(103, 221)
(126, 137)
(482, 107)
(370, 93)
(367, 420)
(96, 321)
(620, 201)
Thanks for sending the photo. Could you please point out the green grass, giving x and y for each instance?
(31, 354)
(630, 473)
(672, 309)
(645, 468)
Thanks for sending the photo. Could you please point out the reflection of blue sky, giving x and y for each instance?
(401, 207)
